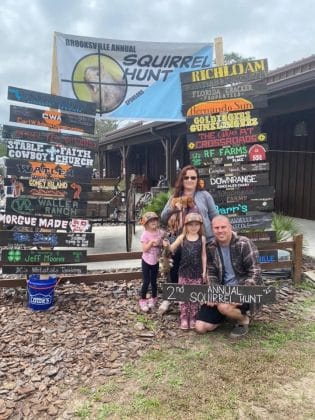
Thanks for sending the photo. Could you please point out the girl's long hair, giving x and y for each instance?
(179, 185)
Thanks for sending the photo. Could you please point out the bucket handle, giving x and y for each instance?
(45, 288)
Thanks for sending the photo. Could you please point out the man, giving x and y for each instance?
(232, 260)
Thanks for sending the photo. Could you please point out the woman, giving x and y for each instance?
(188, 196)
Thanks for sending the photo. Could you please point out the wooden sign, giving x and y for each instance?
(261, 236)
(43, 269)
(223, 121)
(224, 105)
(222, 138)
(44, 152)
(40, 187)
(193, 93)
(268, 256)
(53, 101)
(229, 154)
(244, 71)
(232, 181)
(231, 196)
(52, 119)
(32, 256)
(45, 136)
(256, 221)
(245, 207)
(47, 170)
(46, 206)
(229, 168)
(39, 222)
(219, 294)
(31, 239)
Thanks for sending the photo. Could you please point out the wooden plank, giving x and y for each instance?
(39, 256)
(52, 119)
(239, 154)
(235, 181)
(43, 269)
(246, 194)
(53, 101)
(236, 168)
(105, 182)
(45, 136)
(218, 293)
(69, 239)
(114, 256)
(47, 170)
(256, 221)
(45, 152)
(265, 236)
(37, 206)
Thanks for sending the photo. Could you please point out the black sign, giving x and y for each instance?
(261, 236)
(268, 256)
(244, 207)
(53, 101)
(47, 170)
(230, 168)
(244, 71)
(251, 221)
(40, 222)
(32, 256)
(45, 136)
(219, 294)
(37, 206)
(228, 154)
(231, 196)
(25, 149)
(68, 239)
(232, 181)
(52, 119)
(42, 269)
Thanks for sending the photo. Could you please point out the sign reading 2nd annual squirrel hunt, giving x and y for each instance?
(219, 293)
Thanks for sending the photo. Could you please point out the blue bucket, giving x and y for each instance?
(40, 292)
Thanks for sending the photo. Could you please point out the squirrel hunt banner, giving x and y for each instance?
(126, 79)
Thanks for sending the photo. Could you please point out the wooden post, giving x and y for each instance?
(218, 49)
(297, 258)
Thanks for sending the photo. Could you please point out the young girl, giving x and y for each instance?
(151, 240)
(192, 267)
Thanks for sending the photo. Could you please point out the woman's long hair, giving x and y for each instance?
(179, 185)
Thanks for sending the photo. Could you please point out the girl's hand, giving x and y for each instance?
(166, 243)
(204, 278)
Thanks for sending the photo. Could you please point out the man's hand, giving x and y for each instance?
(250, 282)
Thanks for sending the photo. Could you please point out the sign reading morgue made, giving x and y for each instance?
(219, 293)
(37, 222)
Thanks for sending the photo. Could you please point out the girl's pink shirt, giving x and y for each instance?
(152, 255)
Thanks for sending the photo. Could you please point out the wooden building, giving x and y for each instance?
(159, 148)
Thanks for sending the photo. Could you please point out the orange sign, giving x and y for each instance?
(216, 107)
(52, 118)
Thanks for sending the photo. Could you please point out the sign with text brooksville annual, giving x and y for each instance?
(126, 79)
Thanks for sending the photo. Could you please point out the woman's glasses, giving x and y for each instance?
(193, 178)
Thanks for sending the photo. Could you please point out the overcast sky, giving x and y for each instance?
(282, 31)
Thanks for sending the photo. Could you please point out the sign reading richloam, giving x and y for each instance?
(47, 170)
(52, 119)
(45, 136)
(24, 149)
(237, 154)
(68, 239)
(53, 101)
(43, 269)
(251, 221)
(32, 256)
(229, 169)
(221, 138)
(219, 293)
(46, 207)
(245, 71)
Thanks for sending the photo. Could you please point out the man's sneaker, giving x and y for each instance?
(239, 331)
(143, 305)
(152, 302)
(164, 307)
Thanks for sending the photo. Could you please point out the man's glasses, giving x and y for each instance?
(193, 178)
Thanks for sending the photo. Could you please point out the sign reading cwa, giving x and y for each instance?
(219, 293)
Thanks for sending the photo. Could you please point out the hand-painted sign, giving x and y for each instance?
(219, 293)
(44, 269)
(45, 136)
(228, 154)
(223, 121)
(46, 206)
(31, 256)
(68, 239)
(222, 138)
(261, 236)
(244, 71)
(261, 195)
(33, 221)
(230, 168)
(40, 187)
(251, 221)
(48, 170)
(53, 101)
(244, 207)
(268, 256)
(193, 93)
(52, 119)
(232, 181)
(24, 149)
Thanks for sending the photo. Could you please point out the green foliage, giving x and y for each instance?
(233, 57)
(157, 203)
(285, 227)
(103, 127)
(3, 149)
